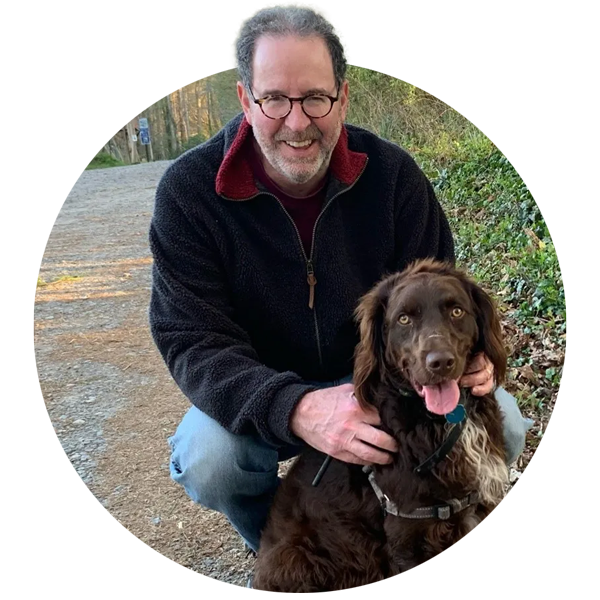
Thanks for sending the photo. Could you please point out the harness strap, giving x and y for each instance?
(438, 511)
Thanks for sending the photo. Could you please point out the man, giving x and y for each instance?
(264, 239)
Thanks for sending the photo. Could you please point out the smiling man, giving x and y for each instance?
(264, 239)
(295, 138)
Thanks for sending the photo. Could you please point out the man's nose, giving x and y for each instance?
(297, 120)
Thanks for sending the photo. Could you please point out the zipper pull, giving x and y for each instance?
(312, 281)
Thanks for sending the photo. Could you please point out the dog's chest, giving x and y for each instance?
(474, 463)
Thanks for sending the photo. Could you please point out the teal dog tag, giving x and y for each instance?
(457, 415)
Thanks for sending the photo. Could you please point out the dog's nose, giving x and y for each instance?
(440, 362)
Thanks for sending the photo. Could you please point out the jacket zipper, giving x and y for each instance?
(310, 270)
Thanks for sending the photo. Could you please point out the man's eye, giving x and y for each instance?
(315, 100)
(275, 100)
(404, 319)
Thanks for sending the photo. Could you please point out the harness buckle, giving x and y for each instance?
(443, 512)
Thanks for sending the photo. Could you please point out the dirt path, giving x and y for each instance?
(110, 397)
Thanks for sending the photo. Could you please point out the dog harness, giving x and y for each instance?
(439, 511)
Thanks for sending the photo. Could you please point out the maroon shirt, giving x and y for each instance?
(304, 211)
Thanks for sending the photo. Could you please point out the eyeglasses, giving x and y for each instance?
(315, 106)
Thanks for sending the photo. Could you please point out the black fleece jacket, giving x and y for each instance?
(230, 300)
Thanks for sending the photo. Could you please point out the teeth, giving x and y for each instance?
(300, 144)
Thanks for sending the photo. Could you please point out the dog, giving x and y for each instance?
(418, 330)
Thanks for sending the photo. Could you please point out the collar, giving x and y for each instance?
(235, 179)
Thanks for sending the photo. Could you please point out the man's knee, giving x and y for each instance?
(202, 471)
(214, 465)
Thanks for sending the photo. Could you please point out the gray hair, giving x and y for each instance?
(281, 21)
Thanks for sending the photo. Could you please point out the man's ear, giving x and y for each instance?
(344, 99)
(242, 93)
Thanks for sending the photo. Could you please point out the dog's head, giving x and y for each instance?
(420, 327)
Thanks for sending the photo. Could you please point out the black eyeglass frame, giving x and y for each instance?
(332, 99)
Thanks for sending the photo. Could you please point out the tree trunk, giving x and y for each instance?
(132, 143)
(112, 148)
(198, 107)
(171, 128)
(156, 120)
(185, 119)
(209, 107)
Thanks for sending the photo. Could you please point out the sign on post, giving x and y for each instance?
(144, 131)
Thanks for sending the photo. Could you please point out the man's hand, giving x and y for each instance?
(332, 421)
(479, 375)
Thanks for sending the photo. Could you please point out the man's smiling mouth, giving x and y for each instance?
(304, 144)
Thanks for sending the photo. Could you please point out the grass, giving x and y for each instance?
(103, 160)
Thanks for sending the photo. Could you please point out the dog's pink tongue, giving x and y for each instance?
(441, 398)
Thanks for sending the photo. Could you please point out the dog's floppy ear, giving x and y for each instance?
(490, 331)
(369, 361)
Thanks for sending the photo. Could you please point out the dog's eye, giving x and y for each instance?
(404, 319)
(457, 312)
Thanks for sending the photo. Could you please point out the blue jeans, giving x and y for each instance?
(236, 475)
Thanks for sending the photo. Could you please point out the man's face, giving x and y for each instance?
(295, 67)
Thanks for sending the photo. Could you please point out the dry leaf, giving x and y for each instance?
(527, 372)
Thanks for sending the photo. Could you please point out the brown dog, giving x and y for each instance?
(418, 330)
